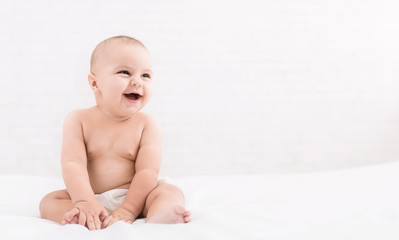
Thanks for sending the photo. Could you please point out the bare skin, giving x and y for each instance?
(114, 146)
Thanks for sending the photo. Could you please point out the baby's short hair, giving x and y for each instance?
(113, 40)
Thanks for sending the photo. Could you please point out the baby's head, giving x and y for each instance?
(121, 76)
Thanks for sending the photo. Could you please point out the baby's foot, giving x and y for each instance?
(178, 214)
(71, 217)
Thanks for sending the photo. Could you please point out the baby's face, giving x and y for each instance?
(123, 75)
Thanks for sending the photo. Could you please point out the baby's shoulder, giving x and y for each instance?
(78, 115)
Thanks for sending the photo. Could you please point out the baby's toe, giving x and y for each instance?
(180, 210)
(187, 219)
(67, 217)
(75, 220)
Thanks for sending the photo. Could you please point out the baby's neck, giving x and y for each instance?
(110, 116)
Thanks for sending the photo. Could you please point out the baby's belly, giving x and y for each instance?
(110, 173)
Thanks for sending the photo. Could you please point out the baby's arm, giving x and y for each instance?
(145, 178)
(76, 178)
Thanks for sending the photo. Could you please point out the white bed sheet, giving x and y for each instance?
(359, 203)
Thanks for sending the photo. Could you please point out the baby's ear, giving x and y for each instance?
(92, 81)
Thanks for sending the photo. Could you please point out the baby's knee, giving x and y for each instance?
(42, 205)
(46, 200)
(49, 199)
(167, 188)
(51, 196)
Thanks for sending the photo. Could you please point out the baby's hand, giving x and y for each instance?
(88, 213)
(119, 214)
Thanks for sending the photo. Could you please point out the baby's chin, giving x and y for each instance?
(132, 108)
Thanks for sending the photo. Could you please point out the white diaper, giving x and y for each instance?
(113, 199)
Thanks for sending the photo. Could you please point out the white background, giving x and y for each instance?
(240, 86)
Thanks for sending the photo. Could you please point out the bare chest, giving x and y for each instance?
(112, 141)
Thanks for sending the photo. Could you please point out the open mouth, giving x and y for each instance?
(132, 96)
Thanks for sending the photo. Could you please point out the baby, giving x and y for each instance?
(111, 152)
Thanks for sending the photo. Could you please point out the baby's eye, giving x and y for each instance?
(124, 72)
(146, 75)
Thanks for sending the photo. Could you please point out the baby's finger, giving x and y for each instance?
(90, 223)
(82, 218)
(97, 222)
(113, 220)
(103, 215)
(68, 216)
(106, 221)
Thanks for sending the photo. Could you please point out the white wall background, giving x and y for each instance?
(241, 86)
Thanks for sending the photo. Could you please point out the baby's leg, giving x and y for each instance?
(165, 204)
(55, 205)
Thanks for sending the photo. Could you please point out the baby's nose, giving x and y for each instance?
(135, 82)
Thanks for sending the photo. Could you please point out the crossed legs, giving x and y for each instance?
(165, 204)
